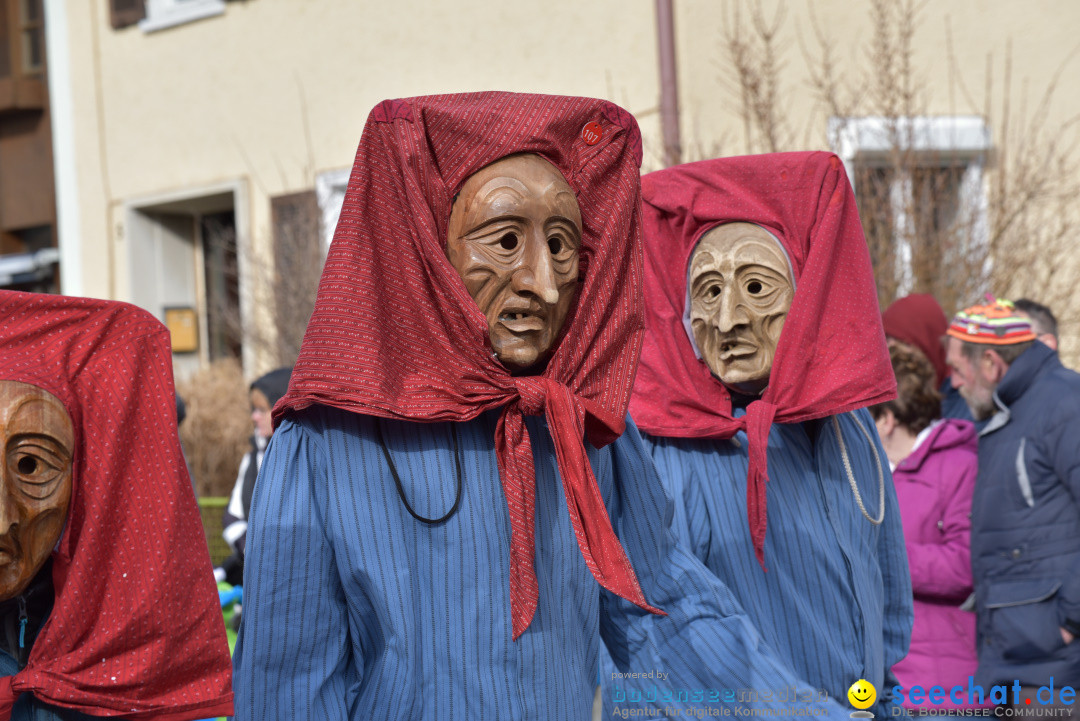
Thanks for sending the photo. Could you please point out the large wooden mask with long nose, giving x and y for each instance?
(514, 236)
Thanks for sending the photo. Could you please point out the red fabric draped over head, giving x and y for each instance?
(919, 321)
(136, 628)
(831, 357)
(395, 333)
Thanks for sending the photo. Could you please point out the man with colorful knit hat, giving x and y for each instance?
(1025, 524)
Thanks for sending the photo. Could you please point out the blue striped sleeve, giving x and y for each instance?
(706, 647)
(293, 658)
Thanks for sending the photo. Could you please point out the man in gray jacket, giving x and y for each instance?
(1025, 525)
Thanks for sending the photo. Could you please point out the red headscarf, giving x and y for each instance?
(918, 320)
(136, 628)
(395, 333)
(831, 357)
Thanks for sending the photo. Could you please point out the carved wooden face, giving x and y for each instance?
(740, 292)
(37, 439)
(514, 236)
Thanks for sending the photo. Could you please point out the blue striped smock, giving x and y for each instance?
(355, 610)
(835, 603)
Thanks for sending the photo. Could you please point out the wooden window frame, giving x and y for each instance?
(122, 15)
(21, 89)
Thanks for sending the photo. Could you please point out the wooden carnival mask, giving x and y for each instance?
(37, 438)
(740, 292)
(514, 236)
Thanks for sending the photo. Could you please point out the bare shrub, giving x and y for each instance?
(217, 428)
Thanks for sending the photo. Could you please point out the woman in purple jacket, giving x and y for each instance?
(934, 462)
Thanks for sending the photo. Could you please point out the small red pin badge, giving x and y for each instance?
(592, 133)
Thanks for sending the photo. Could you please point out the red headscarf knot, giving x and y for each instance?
(533, 392)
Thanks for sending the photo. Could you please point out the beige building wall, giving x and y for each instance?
(994, 59)
(258, 101)
(978, 34)
(271, 93)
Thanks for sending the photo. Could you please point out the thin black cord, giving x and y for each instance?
(397, 478)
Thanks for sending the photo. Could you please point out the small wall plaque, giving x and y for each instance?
(183, 326)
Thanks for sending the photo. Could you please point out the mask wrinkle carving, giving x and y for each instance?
(514, 237)
(37, 440)
(740, 293)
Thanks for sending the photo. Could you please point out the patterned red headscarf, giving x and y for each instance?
(831, 357)
(918, 320)
(395, 333)
(136, 628)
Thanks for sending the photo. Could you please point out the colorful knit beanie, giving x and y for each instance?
(995, 323)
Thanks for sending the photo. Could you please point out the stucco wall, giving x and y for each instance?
(273, 92)
(276, 92)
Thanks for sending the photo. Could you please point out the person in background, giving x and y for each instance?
(181, 414)
(263, 393)
(919, 321)
(934, 462)
(1025, 512)
(1042, 320)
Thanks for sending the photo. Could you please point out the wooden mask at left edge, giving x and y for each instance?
(37, 438)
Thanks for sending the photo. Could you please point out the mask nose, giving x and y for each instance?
(536, 274)
(731, 313)
(9, 514)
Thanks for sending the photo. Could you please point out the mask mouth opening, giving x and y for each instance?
(687, 327)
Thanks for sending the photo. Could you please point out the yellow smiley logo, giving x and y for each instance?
(862, 694)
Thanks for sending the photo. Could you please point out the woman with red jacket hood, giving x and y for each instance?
(919, 321)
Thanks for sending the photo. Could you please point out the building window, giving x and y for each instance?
(32, 37)
(298, 261)
(123, 13)
(22, 55)
(29, 260)
(330, 191)
(161, 14)
(919, 184)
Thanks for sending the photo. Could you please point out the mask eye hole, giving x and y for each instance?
(555, 246)
(712, 292)
(27, 465)
(508, 241)
(754, 287)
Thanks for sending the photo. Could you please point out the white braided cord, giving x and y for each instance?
(851, 475)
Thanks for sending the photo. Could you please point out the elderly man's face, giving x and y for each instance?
(740, 292)
(37, 438)
(975, 380)
(514, 236)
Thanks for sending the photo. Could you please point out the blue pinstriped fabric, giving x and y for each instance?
(355, 610)
(836, 600)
